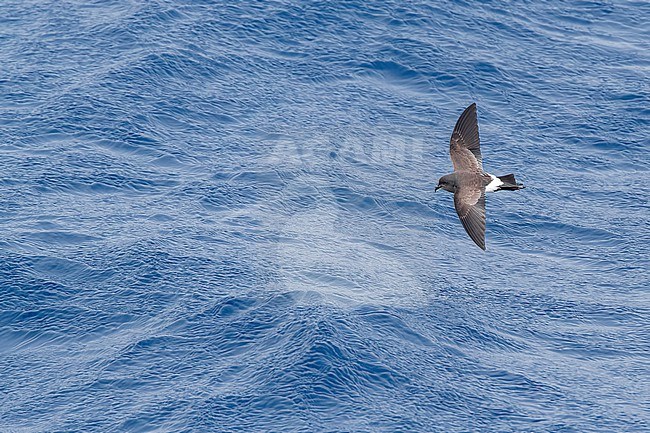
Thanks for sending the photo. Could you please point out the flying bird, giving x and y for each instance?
(469, 182)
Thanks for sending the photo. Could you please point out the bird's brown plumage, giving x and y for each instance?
(469, 201)
(465, 146)
(468, 182)
(465, 153)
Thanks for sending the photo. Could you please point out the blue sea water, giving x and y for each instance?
(219, 216)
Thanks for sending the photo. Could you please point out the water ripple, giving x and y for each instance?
(220, 217)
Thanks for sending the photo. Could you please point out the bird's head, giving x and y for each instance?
(447, 182)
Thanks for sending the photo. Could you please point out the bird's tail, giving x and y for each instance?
(509, 183)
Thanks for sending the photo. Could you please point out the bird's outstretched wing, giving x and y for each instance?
(470, 207)
(464, 146)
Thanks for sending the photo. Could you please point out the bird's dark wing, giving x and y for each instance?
(470, 207)
(464, 146)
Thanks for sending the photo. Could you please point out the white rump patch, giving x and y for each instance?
(494, 185)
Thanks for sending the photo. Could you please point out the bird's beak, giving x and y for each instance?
(437, 188)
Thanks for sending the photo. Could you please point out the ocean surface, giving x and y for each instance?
(219, 217)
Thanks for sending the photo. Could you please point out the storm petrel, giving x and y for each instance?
(469, 182)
